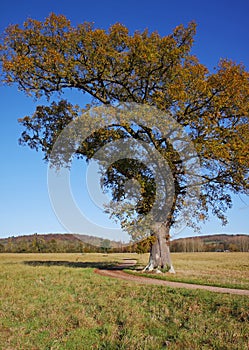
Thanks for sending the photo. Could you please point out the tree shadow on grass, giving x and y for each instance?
(77, 264)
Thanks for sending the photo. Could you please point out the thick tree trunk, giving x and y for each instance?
(160, 253)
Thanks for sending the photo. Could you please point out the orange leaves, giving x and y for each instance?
(232, 82)
(115, 66)
(107, 64)
(57, 21)
(202, 217)
(216, 150)
(184, 36)
(32, 23)
(53, 24)
(118, 36)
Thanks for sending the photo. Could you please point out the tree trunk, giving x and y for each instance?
(160, 253)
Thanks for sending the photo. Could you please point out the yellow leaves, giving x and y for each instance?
(59, 21)
(54, 48)
(19, 65)
(118, 30)
(53, 58)
(202, 217)
(225, 145)
(114, 66)
(35, 24)
(232, 82)
(185, 35)
(142, 67)
(22, 120)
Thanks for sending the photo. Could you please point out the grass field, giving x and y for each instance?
(217, 269)
(56, 301)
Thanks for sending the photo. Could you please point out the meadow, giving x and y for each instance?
(56, 301)
(229, 270)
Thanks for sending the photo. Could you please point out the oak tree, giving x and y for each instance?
(114, 66)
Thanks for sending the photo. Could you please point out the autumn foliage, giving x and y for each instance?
(44, 58)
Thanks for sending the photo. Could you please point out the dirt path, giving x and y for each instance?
(118, 273)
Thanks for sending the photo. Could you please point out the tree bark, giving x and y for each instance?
(160, 252)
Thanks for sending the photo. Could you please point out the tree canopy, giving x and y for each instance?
(114, 66)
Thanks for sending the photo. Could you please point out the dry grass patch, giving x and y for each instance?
(218, 269)
(63, 306)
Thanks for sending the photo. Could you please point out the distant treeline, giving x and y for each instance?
(68, 243)
(56, 243)
(211, 243)
(72, 243)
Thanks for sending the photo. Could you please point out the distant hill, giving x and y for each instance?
(56, 242)
(78, 243)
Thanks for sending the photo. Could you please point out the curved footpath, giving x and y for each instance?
(118, 273)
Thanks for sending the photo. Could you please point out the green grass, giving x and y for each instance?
(65, 305)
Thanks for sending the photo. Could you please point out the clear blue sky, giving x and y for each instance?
(223, 31)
